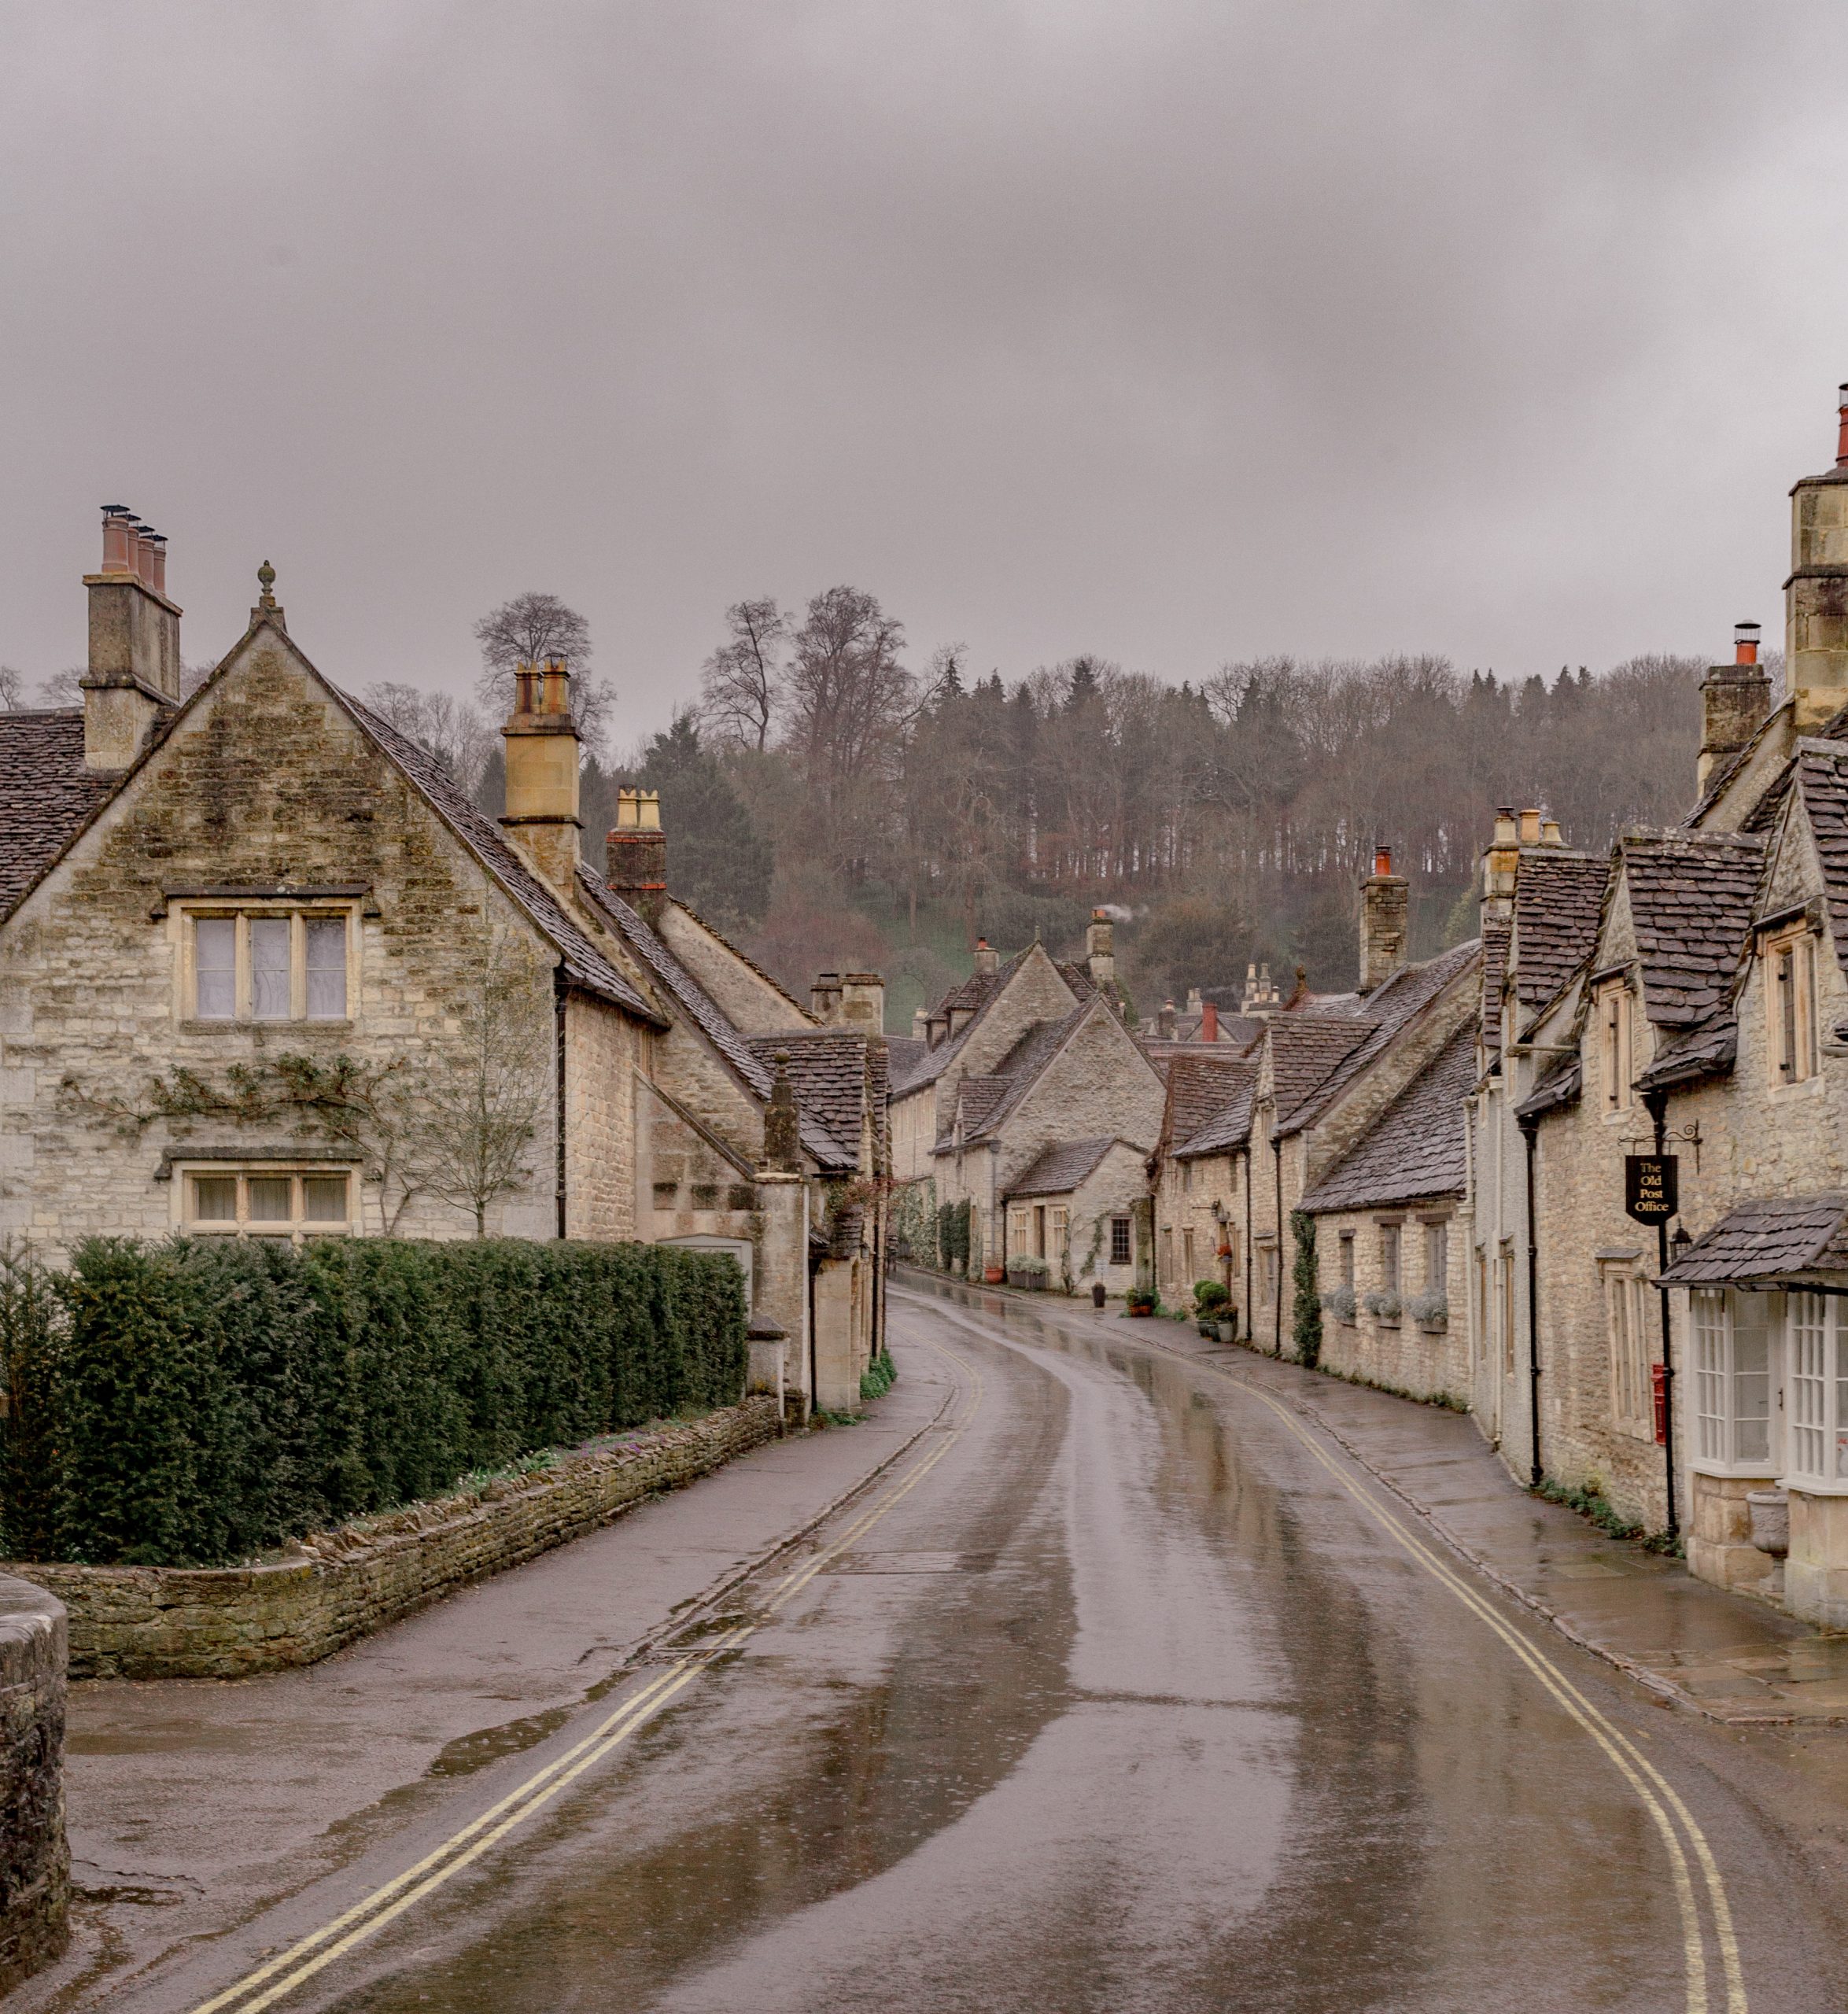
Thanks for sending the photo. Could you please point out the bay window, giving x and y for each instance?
(1816, 1453)
(1730, 1349)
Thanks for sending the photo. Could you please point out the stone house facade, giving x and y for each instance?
(266, 970)
(1074, 1206)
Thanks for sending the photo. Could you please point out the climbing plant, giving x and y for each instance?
(1306, 1309)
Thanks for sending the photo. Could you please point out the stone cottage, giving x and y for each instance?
(266, 972)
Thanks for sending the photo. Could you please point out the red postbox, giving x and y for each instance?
(1658, 1380)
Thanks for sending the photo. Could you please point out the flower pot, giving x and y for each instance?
(1228, 1332)
(993, 1275)
(1771, 1520)
(1097, 1293)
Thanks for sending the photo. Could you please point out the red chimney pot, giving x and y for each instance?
(1382, 859)
(1745, 643)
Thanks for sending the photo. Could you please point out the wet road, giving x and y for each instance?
(1123, 1690)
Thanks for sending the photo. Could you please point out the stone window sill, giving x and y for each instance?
(247, 1028)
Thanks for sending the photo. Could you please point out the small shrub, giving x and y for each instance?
(1429, 1306)
(879, 1376)
(1209, 1295)
(1384, 1305)
(1341, 1303)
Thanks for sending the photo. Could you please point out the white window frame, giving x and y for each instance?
(241, 915)
(297, 1226)
(1732, 1369)
(1632, 1352)
(1816, 1394)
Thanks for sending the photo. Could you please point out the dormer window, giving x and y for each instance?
(1790, 1006)
(1614, 1006)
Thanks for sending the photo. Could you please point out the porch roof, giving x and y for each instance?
(1769, 1239)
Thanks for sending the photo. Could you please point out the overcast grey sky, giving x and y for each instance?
(1178, 330)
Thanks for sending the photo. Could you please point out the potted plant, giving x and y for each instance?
(1029, 1272)
(1429, 1310)
(1140, 1301)
(993, 1275)
(1209, 1297)
(1340, 1304)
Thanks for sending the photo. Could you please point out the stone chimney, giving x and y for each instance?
(1550, 834)
(936, 1026)
(134, 662)
(541, 816)
(1261, 997)
(921, 1024)
(1194, 1002)
(1385, 902)
(1164, 1021)
(636, 850)
(1733, 699)
(783, 1150)
(1100, 953)
(863, 1002)
(1501, 860)
(1816, 595)
(824, 999)
(987, 959)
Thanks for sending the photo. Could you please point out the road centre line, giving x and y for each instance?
(1636, 1768)
(373, 1912)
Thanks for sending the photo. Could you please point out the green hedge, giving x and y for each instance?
(197, 1402)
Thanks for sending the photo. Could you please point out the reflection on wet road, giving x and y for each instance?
(1122, 1693)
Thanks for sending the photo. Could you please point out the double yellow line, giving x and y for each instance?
(294, 1968)
(1658, 1795)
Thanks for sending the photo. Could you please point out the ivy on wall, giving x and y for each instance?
(1306, 1307)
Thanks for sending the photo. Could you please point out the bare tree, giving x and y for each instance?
(529, 629)
(484, 1098)
(850, 701)
(451, 729)
(739, 679)
(13, 688)
(61, 689)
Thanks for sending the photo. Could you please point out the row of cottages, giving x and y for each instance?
(266, 970)
(1022, 1095)
(1252, 1144)
(1684, 997)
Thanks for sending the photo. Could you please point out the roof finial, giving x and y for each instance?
(266, 580)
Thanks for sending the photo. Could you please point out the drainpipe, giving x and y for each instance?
(1251, 1334)
(1657, 1104)
(1529, 1129)
(1277, 1309)
(558, 1013)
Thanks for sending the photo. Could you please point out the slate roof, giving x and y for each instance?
(1227, 1130)
(586, 965)
(1415, 1149)
(1561, 1085)
(1384, 1015)
(1198, 1087)
(1822, 777)
(46, 795)
(1708, 1049)
(1497, 930)
(1691, 903)
(1767, 1239)
(905, 1053)
(756, 1072)
(1305, 1050)
(827, 1072)
(1557, 899)
(1061, 1168)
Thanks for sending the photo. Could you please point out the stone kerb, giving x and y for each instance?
(235, 1621)
(34, 1861)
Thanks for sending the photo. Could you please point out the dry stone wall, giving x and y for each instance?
(231, 1622)
(34, 1861)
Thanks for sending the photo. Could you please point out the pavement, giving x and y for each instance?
(1728, 1657)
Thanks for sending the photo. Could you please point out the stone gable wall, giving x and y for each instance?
(34, 1861)
(266, 780)
(603, 1049)
(1035, 993)
(1099, 1084)
(748, 1000)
